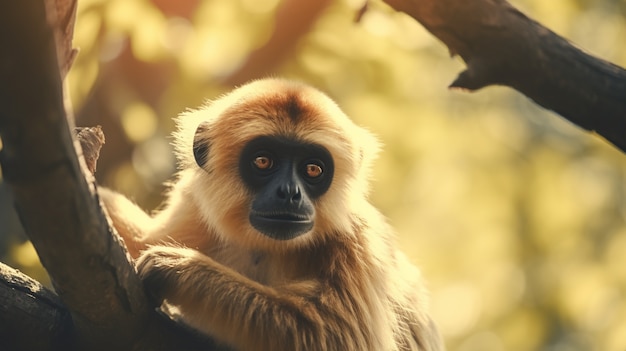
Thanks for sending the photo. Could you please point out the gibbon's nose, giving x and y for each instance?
(289, 192)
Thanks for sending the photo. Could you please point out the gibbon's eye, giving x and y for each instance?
(313, 170)
(263, 163)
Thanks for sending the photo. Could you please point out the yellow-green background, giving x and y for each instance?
(515, 216)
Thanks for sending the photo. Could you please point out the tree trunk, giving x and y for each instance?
(56, 199)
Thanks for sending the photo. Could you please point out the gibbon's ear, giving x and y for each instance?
(201, 144)
(364, 156)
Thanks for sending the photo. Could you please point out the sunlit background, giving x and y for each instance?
(515, 216)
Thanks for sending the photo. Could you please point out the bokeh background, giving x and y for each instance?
(515, 216)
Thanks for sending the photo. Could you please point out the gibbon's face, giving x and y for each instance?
(285, 176)
(280, 161)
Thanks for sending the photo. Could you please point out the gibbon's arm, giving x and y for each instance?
(176, 223)
(130, 221)
(301, 316)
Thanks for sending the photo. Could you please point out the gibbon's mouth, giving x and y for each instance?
(281, 225)
(284, 216)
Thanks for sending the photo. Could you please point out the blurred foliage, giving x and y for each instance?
(515, 216)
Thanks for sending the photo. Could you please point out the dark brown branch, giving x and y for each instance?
(502, 46)
(53, 199)
(31, 317)
(61, 16)
(57, 200)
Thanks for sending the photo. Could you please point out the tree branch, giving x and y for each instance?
(56, 198)
(52, 197)
(502, 46)
(31, 317)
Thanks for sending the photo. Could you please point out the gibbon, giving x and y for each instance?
(267, 240)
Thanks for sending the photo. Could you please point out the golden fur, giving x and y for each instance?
(342, 286)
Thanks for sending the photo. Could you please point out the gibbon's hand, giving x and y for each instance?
(162, 268)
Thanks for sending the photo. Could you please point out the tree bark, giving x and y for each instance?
(31, 317)
(502, 46)
(55, 202)
(56, 198)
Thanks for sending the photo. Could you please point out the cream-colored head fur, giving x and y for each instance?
(280, 108)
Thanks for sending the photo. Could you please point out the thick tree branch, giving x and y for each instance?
(53, 199)
(32, 317)
(61, 16)
(56, 198)
(500, 45)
